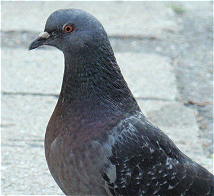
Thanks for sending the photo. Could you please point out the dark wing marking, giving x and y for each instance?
(148, 163)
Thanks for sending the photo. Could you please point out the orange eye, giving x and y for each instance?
(68, 28)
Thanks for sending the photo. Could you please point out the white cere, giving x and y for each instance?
(44, 35)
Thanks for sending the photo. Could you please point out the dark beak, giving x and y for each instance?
(41, 40)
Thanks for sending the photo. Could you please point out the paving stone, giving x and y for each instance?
(38, 71)
(148, 75)
(24, 168)
(118, 17)
(24, 171)
(41, 71)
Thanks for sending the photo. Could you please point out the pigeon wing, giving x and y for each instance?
(147, 162)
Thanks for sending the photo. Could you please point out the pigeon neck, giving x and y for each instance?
(93, 83)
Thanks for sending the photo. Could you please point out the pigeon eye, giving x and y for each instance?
(68, 28)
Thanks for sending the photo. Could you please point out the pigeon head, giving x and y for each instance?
(71, 30)
(91, 73)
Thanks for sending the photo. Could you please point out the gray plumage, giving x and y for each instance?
(98, 142)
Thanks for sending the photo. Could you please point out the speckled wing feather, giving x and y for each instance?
(147, 162)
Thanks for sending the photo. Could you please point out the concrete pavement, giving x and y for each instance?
(119, 18)
(31, 81)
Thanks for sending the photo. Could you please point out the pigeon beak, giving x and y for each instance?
(41, 40)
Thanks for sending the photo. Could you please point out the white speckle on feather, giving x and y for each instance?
(111, 173)
(53, 144)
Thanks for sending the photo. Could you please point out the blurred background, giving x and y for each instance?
(164, 49)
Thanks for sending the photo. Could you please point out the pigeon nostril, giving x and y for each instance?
(68, 28)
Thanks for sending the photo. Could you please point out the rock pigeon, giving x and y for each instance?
(98, 142)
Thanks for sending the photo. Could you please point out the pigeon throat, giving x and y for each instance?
(93, 84)
(94, 72)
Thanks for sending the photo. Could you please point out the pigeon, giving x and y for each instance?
(98, 141)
